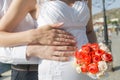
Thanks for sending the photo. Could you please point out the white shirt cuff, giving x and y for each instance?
(19, 56)
(16, 55)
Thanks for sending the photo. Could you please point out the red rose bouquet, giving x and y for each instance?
(93, 59)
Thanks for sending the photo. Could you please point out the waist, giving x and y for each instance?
(26, 67)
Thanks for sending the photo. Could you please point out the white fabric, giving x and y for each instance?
(16, 55)
(75, 19)
(1, 8)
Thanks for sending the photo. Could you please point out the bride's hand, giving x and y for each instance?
(56, 53)
(52, 35)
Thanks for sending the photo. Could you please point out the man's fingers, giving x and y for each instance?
(61, 59)
(63, 48)
(67, 36)
(63, 53)
(60, 43)
(65, 40)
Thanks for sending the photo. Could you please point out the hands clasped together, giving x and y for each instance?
(52, 42)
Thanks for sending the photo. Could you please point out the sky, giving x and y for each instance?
(115, 4)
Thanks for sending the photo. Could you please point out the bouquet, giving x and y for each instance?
(93, 60)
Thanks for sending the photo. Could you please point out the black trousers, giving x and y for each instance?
(24, 75)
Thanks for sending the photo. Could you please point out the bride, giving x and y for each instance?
(75, 15)
(76, 18)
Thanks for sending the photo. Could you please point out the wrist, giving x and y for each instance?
(32, 51)
(34, 36)
(31, 36)
(29, 52)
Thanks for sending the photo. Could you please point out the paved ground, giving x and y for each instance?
(116, 56)
(116, 64)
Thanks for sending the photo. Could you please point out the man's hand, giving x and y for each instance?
(52, 35)
(57, 53)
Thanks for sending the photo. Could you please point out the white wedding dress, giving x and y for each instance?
(75, 19)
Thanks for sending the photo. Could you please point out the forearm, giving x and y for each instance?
(92, 37)
(15, 39)
(90, 32)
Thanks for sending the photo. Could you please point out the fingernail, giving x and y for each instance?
(61, 23)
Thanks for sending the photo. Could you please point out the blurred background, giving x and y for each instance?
(106, 21)
(106, 13)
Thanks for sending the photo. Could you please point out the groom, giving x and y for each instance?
(27, 54)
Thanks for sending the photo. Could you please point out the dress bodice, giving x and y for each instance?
(75, 17)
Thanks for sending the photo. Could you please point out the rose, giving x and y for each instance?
(94, 46)
(102, 65)
(79, 61)
(103, 47)
(92, 53)
(84, 68)
(107, 57)
(99, 52)
(93, 68)
(82, 58)
(85, 58)
(96, 58)
(85, 49)
(77, 54)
